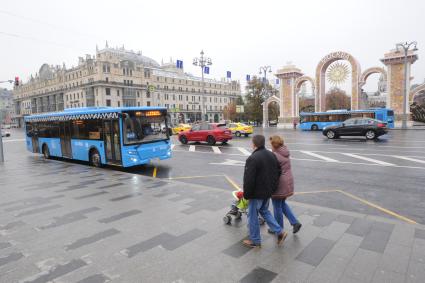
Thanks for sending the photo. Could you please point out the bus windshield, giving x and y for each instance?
(144, 126)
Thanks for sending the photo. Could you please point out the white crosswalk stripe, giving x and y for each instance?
(216, 150)
(192, 148)
(172, 146)
(319, 156)
(409, 159)
(244, 151)
(369, 159)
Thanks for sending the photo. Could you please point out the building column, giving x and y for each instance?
(288, 98)
(396, 80)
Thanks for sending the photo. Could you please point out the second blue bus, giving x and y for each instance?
(318, 120)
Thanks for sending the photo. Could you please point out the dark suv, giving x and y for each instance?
(368, 127)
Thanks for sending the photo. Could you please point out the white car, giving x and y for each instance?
(5, 133)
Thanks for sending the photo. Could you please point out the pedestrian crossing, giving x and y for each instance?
(388, 160)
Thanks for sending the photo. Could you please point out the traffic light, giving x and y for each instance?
(16, 81)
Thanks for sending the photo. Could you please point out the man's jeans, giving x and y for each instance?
(260, 206)
(280, 208)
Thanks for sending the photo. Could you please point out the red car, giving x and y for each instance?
(206, 132)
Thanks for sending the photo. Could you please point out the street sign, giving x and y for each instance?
(151, 88)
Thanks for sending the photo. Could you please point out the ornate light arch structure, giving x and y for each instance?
(298, 83)
(370, 71)
(320, 98)
(266, 104)
(415, 91)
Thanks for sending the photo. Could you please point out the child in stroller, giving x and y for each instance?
(239, 206)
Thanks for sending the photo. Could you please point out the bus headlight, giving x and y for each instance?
(132, 152)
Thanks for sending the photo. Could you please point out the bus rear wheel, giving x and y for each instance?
(94, 158)
(46, 152)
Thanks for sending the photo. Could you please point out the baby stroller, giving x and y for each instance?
(238, 207)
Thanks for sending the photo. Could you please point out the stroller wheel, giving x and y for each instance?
(261, 220)
(238, 215)
(227, 219)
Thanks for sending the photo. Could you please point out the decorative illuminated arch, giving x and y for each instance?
(266, 104)
(299, 81)
(321, 74)
(415, 91)
(370, 71)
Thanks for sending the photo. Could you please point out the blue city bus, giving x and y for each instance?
(124, 136)
(318, 120)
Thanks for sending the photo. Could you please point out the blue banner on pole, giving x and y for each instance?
(248, 78)
(179, 64)
(206, 70)
(277, 81)
(229, 74)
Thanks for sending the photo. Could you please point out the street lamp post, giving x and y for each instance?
(202, 62)
(405, 47)
(264, 70)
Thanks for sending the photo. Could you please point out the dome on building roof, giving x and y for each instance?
(132, 56)
(45, 72)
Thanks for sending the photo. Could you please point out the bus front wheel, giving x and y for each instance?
(95, 158)
(46, 152)
(314, 127)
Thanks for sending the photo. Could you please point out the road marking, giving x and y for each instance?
(172, 146)
(192, 148)
(233, 183)
(387, 211)
(193, 177)
(369, 159)
(16, 140)
(230, 162)
(244, 151)
(409, 159)
(316, 192)
(319, 156)
(216, 150)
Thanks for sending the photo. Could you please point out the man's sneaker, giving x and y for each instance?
(281, 237)
(296, 227)
(270, 231)
(251, 244)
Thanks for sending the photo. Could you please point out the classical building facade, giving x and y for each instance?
(6, 106)
(117, 77)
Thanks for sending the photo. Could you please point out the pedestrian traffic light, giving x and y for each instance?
(16, 81)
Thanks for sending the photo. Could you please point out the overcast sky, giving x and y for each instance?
(239, 36)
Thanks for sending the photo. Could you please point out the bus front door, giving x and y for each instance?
(65, 137)
(112, 141)
(34, 140)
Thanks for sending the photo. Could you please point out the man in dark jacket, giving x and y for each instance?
(260, 181)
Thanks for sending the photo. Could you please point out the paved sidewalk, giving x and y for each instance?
(65, 222)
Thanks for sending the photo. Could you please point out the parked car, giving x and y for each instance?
(180, 128)
(368, 127)
(273, 123)
(206, 132)
(5, 133)
(239, 129)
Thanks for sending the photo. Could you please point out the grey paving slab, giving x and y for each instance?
(70, 218)
(183, 239)
(315, 251)
(259, 275)
(10, 258)
(360, 227)
(124, 197)
(96, 278)
(348, 219)
(111, 186)
(120, 216)
(418, 251)
(33, 202)
(92, 239)
(57, 271)
(38, 210)
(325, 219)
(420, 233)
(12, 225)
(237, 249)
(362, 266)
(91, 195)
(334, 231)
(396, 258)
(147, 244)
(377, 238)
(4, 245)
(388, 276)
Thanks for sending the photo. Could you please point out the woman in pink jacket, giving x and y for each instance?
(286, 185)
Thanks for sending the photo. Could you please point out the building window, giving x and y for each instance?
(118, 92)
(106, 79)
(108, 102)
(108, 91)
(138, 103)
(148, 103)
(119, 103)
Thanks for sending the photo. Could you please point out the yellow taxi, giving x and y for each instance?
(239, 129)
(180, 128)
